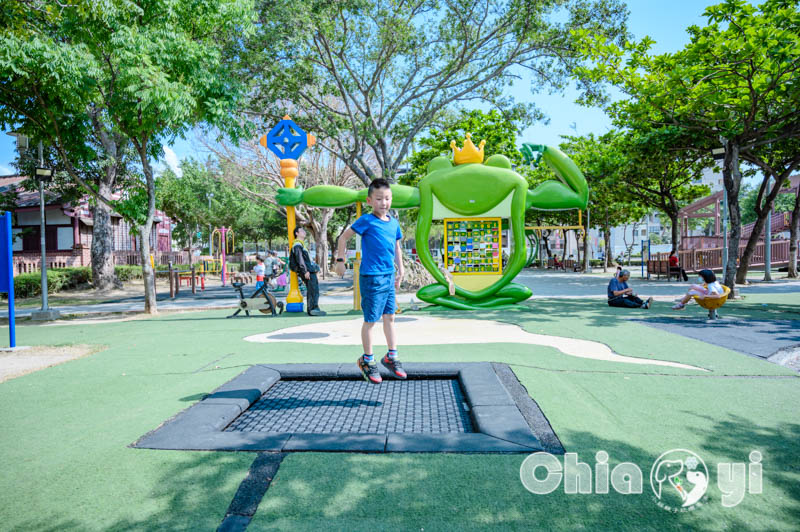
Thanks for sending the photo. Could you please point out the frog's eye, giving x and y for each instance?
(499, 161)
(439, 163)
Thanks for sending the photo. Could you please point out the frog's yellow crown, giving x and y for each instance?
(469, 153)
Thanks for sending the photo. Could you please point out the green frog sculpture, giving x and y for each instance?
(469, 188)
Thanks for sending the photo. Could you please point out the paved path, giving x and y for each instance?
(339, 291)
(759, 338)
(571, 285)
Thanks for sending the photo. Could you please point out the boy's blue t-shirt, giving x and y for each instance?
(615, 285)
(378, 239)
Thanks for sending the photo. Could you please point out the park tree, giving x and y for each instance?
(736, 84)
(602, 162)
(105, 161)
(199, 198)
(368, 78)
(659, 172)
(255, 174)
(749, 199)
(794, 234)
(146, 72)
(498, 129)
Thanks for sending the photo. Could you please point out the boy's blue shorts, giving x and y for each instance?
(377, 296)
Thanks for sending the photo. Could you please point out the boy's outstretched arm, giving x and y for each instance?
(398, 261)
(403, 197)
(341, 250)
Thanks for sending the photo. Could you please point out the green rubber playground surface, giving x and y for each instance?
(66, 429)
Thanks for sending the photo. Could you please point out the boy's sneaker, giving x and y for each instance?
(394, 366)
(369, 371)
(648, 303)
(678, 306)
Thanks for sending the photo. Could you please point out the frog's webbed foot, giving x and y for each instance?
(438, 294)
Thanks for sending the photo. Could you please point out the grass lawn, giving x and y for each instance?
(66, 429)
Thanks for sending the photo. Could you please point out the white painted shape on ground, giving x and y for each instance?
(430, 330)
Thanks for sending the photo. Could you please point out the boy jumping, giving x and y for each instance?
(380, 242)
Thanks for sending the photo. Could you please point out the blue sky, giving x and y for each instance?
(663, 21)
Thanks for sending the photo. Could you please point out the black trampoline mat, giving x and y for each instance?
(340, 406)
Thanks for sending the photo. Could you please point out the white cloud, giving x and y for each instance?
(5, 170)
(172, 161)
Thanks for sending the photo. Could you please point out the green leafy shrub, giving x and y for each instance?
(30, 284)
(126, 273)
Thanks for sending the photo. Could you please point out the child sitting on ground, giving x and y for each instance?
(712, 288)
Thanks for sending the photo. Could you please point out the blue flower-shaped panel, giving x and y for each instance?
(286, 140)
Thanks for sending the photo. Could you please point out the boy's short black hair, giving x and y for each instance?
(378, 184)
(708, 276)
(296, 229)
(259, 258)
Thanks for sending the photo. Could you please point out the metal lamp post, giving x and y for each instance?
(42, 175)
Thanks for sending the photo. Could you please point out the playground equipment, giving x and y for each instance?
(712, 303)
(471, 197)
(534, 235)
(192, 277)
(269, 306)
(288, 142)
(225, 240)
(7, 274)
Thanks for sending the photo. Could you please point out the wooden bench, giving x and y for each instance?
(199, 279)
(661, 267)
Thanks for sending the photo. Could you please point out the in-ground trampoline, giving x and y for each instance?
(467, 407)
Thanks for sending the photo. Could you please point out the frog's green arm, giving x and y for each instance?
(403, 197)
(572, 192)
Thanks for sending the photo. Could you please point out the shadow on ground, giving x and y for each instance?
(475, 492)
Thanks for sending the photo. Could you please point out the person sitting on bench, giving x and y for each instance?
(620, 295)
(674, 265)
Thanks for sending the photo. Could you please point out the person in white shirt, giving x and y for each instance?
(259, 269)
(712, 288)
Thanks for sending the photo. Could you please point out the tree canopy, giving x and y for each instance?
(367, 78)
(736, 83)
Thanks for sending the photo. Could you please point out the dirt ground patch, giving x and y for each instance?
(17, 363)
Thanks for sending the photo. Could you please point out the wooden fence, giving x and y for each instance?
(694, 260)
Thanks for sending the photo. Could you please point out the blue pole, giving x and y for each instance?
(9, 277)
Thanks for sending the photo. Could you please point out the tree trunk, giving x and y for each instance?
(577, 248)
(586, 263)
(148, 275)
(629, 247)
(673, 218)
(794, 234)
(103, 277)
(320, 233)
(732, 179)
(564, 246)
(761, 219)
(606, 243)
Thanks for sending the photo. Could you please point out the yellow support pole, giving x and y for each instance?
(357, 267)
(289, 173)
